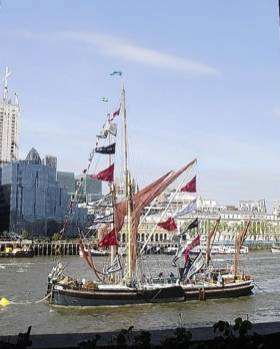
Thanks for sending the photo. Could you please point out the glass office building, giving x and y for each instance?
(31, 199)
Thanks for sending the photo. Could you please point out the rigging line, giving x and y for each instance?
(165, 210)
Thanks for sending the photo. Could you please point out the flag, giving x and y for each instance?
(112, 128)
(104, 99)
(196, 265)
(115, 113)
(193, 244)
(115, 266)
(169, 225)
(106, 175)
(104, 219)
(174, 260)
(190, 187)
(192, 225)
(109, 149)
(186, 210)
(119, 73)
(103, 134)
(109, 239)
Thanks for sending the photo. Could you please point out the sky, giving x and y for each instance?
(202, 81)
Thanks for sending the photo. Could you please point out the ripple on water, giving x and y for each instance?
(26, 280)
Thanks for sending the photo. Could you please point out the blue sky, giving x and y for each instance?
(202, 81)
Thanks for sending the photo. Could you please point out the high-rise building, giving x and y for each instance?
(51, 161)
(67, 181)
(9, 124)
(31, 199)
(91, 189)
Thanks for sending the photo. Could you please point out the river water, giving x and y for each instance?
(23, 281)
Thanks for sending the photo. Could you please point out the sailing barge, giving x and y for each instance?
(122, 281)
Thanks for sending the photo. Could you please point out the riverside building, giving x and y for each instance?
(9, 124)
(32, 200)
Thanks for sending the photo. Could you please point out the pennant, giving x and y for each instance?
(174, 260)
(193, 244)
(190, 187)
(192, 225)
(106, 175)
(109, 149)
(119, 73)
(112, 128)
(192, 206)
(104, 219)
(196, 265)
(103, 134)
(109, 239)
(168, 225)
(115, 113)
(115, 266)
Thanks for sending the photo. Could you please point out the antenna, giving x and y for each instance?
(6, 76)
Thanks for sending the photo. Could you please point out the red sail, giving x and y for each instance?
(146, 199)
(190, 187)
(106, 175)
(169, 224)
(193, 244)
(109, 240)
(121, 207)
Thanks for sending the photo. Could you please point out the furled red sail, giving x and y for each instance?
(190, 187)
(109, 239)
(121, 207)
(106, 175)
(169, 224)
(146, 199)
(88, 259)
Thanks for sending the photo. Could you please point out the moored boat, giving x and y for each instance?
(17, 252)
(275, 248)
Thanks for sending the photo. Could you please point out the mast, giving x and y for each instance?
(210, 240)
(238, 244)
(128, 193)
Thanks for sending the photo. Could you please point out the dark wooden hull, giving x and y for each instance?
(116, 297)
(228, 291)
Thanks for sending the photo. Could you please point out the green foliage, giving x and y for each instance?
(143, 340)
(181, 339)
(56, 237)
(25, 235)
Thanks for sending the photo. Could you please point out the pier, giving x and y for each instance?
(44, 248)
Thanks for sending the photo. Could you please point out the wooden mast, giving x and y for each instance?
(210, 239)
(128, 193)
(239, 240)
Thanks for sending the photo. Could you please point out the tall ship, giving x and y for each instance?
(127, 276)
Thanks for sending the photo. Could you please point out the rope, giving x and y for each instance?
(33, 302)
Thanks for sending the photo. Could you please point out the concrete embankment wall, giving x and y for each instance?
(270, 332)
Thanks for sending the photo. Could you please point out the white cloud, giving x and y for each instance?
(121, 48)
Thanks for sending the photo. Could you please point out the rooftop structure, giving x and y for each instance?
(9, 124)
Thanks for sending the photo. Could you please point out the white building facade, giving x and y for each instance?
(9, 125)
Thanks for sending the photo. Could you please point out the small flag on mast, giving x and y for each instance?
(190, 187)
(169, 224)
(109, 239)
(109, 149)
(116, 72)
(106, 175)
